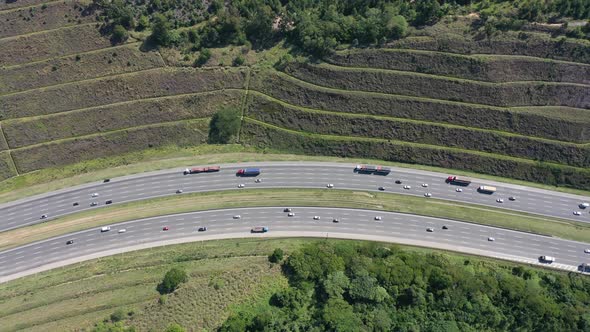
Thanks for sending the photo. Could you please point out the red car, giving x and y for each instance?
(165, 228)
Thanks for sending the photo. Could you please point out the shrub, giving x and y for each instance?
(117, 316)
(204, 56)
(276, 256)
(238, 61)
(174, 328)
(224, 125)
(119, 34)
(172, 280)
(160, 30)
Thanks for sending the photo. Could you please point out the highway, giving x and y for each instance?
(353, 223)
(285, 175)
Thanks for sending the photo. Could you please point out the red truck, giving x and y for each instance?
(201, 170)
(460, 180)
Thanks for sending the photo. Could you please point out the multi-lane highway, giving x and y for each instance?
(353, 223)
(285, 175)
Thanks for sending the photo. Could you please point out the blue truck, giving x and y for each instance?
(248, 172)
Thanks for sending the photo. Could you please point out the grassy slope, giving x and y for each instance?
(493, 68)
(103, 62)
(263, 135)
(5, 5)
(102, 119)
(7, 169)
(274, 112)
(541, 124)
(68, 151)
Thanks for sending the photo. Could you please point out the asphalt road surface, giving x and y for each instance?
(285, 175)
(353, 223)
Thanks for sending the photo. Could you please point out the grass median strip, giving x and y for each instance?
(295, 197)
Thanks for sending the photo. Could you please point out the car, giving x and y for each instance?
(165, 228)
(241, 185)
(291, 214)
(287, 210)
(377, 217)
(44, 216)
(179, 191)
(583, 205)
(512, 198)
(93, 204)
(335, 220)
(258, 180)
(76, 204)
(95, 195)
(500, 200)
(382, 188)
(106, 180)
(70, 242)
(459, 190)
(430, 229)
(425, 185)
(123, 230)
(237, 216)
(110, 201)
(105, 229)
(445, 227)
(547, 259)
(577, 213)
(202, 229)
(316, 217)
(407, 187)
(491, 239)
(330, 185)
(587, 251)
(398, 181)
(427, 195)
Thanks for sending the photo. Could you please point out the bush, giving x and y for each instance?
(160, 30)
(117, 316)
(224, 125)
(204, 56)
(119, 34)
(174, 328)
(238, 61)
(172, 280)
(276, 256)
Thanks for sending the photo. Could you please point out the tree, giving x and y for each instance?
(173, 278)
(117, 316)
(160, 30)
(427, 12)
(119, 34)
(339, 316)
(276, 256)
(224, 125)
(203, 57)
(336, 284)
(174, 328)
(238, 61)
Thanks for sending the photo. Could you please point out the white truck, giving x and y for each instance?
(105, 229)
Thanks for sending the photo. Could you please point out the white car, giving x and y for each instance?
(105, 229)
(316, 217)
(330, 185)
(237, 216)
(500, 200)
(577, 213)
(459, 190)
(430, 229)
(291, 214)
(258, 180)
(95, 195)
(425, 185)
(377, 217)
(179, 191)
(241, 185)
(587, 251)
(93, 204)
(122, 230)
(491, 239)
(427, 195)
(407, 187)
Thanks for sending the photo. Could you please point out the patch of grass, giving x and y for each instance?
(42, 17)
(263, 135)
(71, 150)
(150, 83)
(295, 197)
(7, 168)
(493, 68)
(78, 67)
(283, 115)
(152, 111)
(49, 44)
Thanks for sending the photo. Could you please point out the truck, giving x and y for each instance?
(105, 229)
(248, 172)
(547, 259)
(259, 229)
(486, 189)
(371, 169)
(458, 180)
(207, 169)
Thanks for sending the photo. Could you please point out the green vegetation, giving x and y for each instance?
(172, 280)
(371, 287)
(224, 125)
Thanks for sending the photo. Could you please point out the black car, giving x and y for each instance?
(76, 203)
(110, 201)
(398, 181)
(382, 188)
(287, 210)
(336, 220)
(445, 227)
(202, 229)
(70, 242)
(106, 180)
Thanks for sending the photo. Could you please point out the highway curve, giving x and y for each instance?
(285, 175)
(353, 223)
